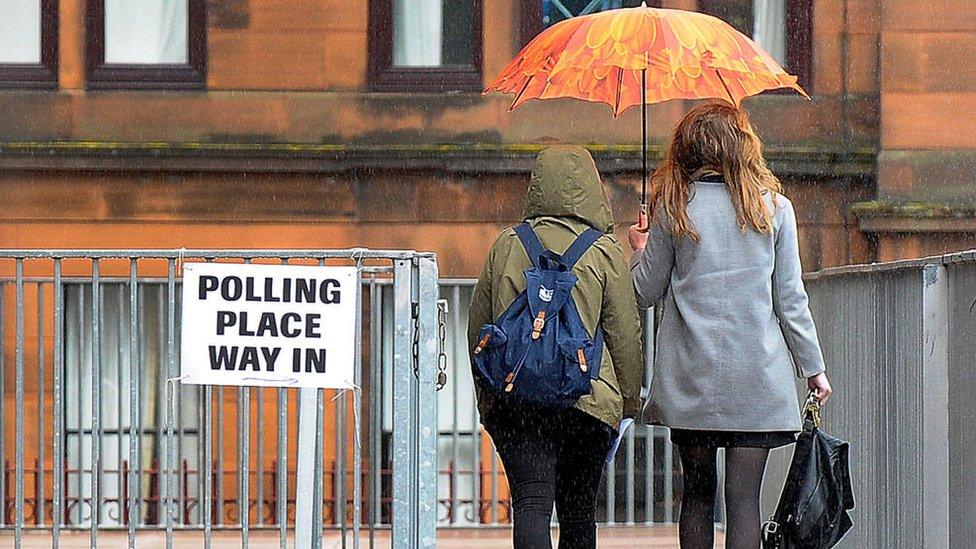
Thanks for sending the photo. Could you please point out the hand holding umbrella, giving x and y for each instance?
(635, 56)
(637, 235)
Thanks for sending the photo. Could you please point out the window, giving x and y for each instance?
(554, 11)
(29, 44)
(117, 369)
(781, 27)
(537, 15)
(146, 44)
(425, 45)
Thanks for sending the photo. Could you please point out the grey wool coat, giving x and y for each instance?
(736, 326)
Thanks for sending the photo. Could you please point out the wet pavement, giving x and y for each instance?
(486, 538)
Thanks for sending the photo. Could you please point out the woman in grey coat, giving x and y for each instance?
(720, 253)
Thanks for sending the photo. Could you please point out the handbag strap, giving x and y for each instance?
(811, 410)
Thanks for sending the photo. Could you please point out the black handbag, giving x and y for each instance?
(813, 509)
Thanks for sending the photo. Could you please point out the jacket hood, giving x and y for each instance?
(566, 183)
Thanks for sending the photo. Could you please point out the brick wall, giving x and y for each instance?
(928, 150)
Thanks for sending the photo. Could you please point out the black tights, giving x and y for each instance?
(744, 469)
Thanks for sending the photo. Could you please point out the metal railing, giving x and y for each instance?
(89, 340)
(899, 343)
(104, 438)
(190, 463)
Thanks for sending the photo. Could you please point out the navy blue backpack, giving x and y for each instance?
(538, 349)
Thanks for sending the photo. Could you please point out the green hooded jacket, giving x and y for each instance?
(565, 197)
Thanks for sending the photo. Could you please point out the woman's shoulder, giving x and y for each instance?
(502, 245)
(505, 234)
(781, 198)
(777, 202)
(781, 209)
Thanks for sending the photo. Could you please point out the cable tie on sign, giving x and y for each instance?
(357, 392)
(350, 386)
(357, 255)
(179, 261)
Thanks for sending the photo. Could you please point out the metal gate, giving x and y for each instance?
(105, 443)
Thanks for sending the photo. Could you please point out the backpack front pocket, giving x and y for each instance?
(579, 365)
(489, 356)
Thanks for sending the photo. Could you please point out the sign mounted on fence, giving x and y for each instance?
(268, 325)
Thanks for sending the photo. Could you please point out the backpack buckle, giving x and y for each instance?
(538, 324)
(482, 344)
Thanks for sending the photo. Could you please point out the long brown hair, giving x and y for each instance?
(715, 137)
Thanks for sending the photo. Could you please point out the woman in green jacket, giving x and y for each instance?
(552, 454)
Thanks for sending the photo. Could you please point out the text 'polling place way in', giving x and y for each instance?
(269, 325)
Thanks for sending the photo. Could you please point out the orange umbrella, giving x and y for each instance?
(635, 56)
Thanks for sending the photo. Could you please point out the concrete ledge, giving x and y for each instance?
(928, 175)
(809, 162)
(880, 216)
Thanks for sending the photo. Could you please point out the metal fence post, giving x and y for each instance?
(19, 413)
(961, 271)
(306, 468)
(404, 388)
(96, 404)
(935, 406)
(415, 400)
(426, 404)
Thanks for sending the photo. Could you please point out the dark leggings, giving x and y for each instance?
(551, 456)
(744, 469)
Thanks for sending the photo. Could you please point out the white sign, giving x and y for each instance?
(268, 325)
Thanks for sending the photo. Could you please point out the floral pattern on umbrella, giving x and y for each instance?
(602, 58)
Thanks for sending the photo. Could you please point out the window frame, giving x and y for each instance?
(43, 75)
(123, 76)
(799, 38)
(383, 76)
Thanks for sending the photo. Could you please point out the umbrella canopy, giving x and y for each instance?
(604, 57)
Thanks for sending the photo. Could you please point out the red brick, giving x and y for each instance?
(941, 15)
(71, 44)
(928, 120)
(929, 62)
(269, 15)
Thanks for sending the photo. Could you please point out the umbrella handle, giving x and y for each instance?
(644, 140)
(643, 215)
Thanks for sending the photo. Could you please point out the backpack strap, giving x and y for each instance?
(579, 247)
(530, 241)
